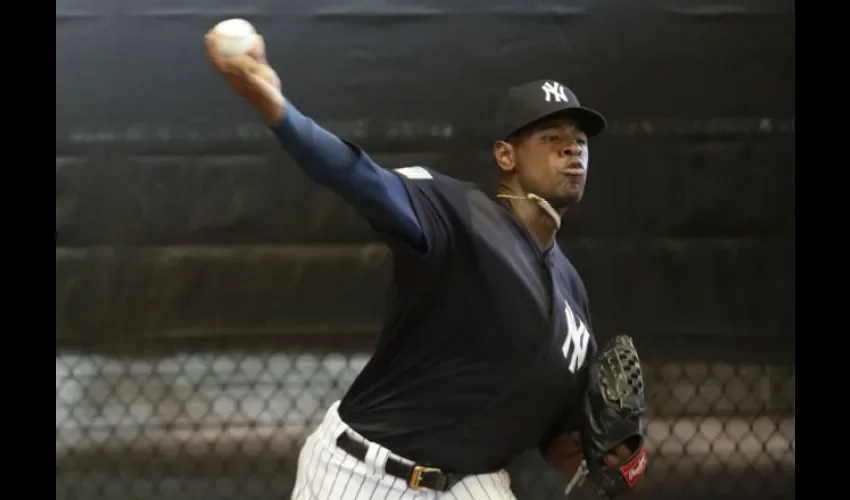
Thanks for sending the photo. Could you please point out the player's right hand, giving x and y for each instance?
(250, 76)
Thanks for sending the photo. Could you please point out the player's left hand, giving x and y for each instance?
(612, 437)
(565, 455)
(618, 455)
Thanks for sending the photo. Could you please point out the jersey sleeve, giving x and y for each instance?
(438, 203)
(378, 195)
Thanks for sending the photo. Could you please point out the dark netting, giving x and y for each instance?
(227, 422)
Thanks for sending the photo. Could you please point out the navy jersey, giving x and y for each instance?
(487, 339)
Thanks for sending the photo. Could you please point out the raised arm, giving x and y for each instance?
(376, 193)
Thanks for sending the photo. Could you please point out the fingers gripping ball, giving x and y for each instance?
(245, 65)
(234, 37)
(237, 51)
(613, 419)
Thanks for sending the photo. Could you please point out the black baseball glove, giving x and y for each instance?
(613, 415)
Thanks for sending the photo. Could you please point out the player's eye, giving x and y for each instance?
(551, 137)
(581, 141)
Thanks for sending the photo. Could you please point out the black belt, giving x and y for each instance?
(417, 477)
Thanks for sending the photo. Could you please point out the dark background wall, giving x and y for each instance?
(184, 236)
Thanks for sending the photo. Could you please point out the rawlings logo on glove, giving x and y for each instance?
(613, 417)
(634, 469)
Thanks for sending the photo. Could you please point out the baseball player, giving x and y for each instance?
(487, 349)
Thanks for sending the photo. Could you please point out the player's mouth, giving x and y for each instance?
(574, 170)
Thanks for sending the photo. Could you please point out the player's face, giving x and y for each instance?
(552, 161)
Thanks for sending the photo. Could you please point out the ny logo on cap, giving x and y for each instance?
(555, 90)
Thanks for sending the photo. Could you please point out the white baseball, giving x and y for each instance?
(235, 37)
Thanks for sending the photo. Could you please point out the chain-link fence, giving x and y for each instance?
(219, 422)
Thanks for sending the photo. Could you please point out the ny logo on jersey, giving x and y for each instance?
(556, 91)
(575, 346)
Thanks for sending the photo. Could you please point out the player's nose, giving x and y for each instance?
(573, 149)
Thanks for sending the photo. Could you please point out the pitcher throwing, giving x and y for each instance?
(487, 349)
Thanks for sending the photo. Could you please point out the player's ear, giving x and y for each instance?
(505, 155)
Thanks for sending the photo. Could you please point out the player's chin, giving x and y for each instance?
(567, 197)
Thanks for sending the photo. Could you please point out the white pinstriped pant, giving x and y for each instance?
(326, 472)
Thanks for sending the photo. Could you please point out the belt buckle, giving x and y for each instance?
(416, 477)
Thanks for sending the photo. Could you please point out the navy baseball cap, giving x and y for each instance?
(533, 102)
